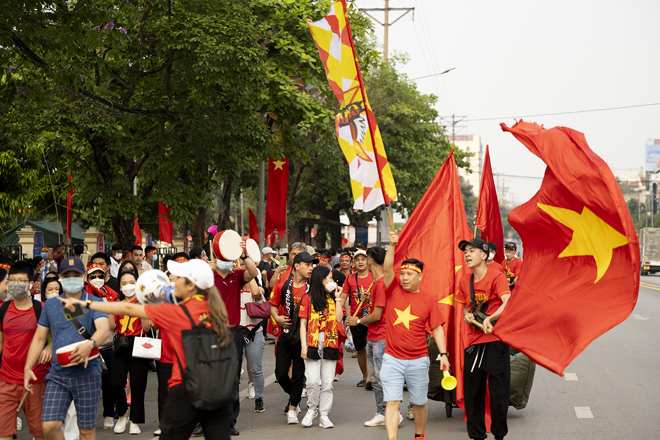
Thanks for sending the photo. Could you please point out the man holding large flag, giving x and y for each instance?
(371, 177)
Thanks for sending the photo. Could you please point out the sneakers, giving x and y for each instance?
(108, 422)
(134, 429)
(291, 418)
(250, 390)
(304, 393)
(378, 420)
(309, 418)
(421, 436)
(120, 426)
(411, 414)
(259, 406)
(324, 422)
(336, 378)
(19, 424)
(158, 432)
(400, 418)
(198, 431)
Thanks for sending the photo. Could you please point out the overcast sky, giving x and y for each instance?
(518, 58)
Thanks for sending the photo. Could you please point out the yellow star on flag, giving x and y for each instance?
(279, 164)
(126, 321)
(449, 300)
(404, 317)
(591, 236)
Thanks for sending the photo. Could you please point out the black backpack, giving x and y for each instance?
(36, 306)
(211, 374)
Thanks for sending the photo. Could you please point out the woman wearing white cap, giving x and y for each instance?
(195, 291)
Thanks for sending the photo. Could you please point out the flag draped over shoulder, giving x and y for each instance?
(488, 218)
(581, 271)
(371, 177)
(278, 184)
(431, 235)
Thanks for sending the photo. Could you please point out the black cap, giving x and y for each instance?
(492, 246)
(476, 242)
(511, 245)
(117, 247)
(304, 257)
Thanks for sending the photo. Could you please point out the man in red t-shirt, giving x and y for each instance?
(408, 313)
(512, 265)
(355, 286)
(229, 283)
(487, 357)
(16, 331)
(288, 295)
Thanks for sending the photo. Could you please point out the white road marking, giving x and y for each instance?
(570, 376)
(583, 412)
(639, 317)
(269, 380)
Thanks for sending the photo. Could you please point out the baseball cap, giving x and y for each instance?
(95, 267)
(492, 246)
(310, 250)
(304, 257)
(268, 250)
(511, 245)
(196, 271)
(476, 242)
(360, 252)
(72, 264)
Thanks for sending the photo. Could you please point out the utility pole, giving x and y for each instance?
(386, 22)
(261, 212)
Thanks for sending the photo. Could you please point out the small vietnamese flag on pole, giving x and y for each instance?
(581, 273)
(488, 218)
(137, 232)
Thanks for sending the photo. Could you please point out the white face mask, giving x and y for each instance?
(97, 282)
(491, 257)
(509, 255)
(117, 256)
(330, 287)
(128, 290)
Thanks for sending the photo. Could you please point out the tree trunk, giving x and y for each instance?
(334, 227)
(123, 230)
(225, 204)
(197, 227)
(322, 232)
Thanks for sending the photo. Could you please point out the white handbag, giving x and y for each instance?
(146, 348)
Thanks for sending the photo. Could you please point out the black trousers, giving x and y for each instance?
(106, 385)
(123, 362)
(240, 343)
(286, 356)
(487, 363)
(164, 372)
(180, 418)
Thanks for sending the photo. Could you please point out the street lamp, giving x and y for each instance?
(433, 74)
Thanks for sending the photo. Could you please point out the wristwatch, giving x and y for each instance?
(87, 303)
(444, 354)
(244, 256)
(358, 320)
(94, 343)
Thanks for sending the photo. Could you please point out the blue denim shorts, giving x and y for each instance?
(60, 391)
(415, 372)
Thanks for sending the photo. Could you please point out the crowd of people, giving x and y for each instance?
(58, 364)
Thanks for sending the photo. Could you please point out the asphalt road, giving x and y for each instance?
(611, 391)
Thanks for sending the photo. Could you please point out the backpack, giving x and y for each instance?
(36, 307)
(211, 373)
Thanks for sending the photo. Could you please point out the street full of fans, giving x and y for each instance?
(77, 335)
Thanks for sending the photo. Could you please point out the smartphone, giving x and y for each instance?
(282, 260)
(78, 312)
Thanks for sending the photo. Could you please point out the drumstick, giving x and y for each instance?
(22, 402)
(360, 303)
(477, 323)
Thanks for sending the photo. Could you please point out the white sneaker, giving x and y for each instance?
(309, 418)
(400, 418)
(378, 420)
(250, 390)
(304, 393)
(292, 418)
(158, 432)
(324, 422)
(120, 426)
(411, 412)
(134, 428)
(108, 422)
(19, 424)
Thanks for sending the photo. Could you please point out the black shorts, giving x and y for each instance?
(359, 333)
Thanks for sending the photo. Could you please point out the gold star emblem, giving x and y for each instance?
(279, 164)
(591, 236)
(449, 300)
(404, 317)
(126, 321)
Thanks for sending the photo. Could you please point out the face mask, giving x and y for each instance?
(118, 256)
(224, 266)
(155, 258)
(3, 297)
(509, 256)
(491, 257)
(72, 285)
(128, 290)
(44, 255)
(97, 282)
(330, 287)
(17, 290)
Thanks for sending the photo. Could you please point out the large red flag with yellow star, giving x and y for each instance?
(581, 271)
(432, 234)
(488, 218)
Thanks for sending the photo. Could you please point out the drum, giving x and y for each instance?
(64, 354)
(252, 249)
(227, 245)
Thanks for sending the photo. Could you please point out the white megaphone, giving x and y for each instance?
(153, 287)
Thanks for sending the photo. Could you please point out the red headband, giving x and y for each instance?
(411, 267)
(181, 259)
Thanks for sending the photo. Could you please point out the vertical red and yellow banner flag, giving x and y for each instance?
(359, 138)
(488, 218)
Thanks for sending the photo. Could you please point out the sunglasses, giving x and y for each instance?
(96, 277)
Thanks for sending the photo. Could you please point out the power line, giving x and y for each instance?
(518, 177)
(567, 113)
